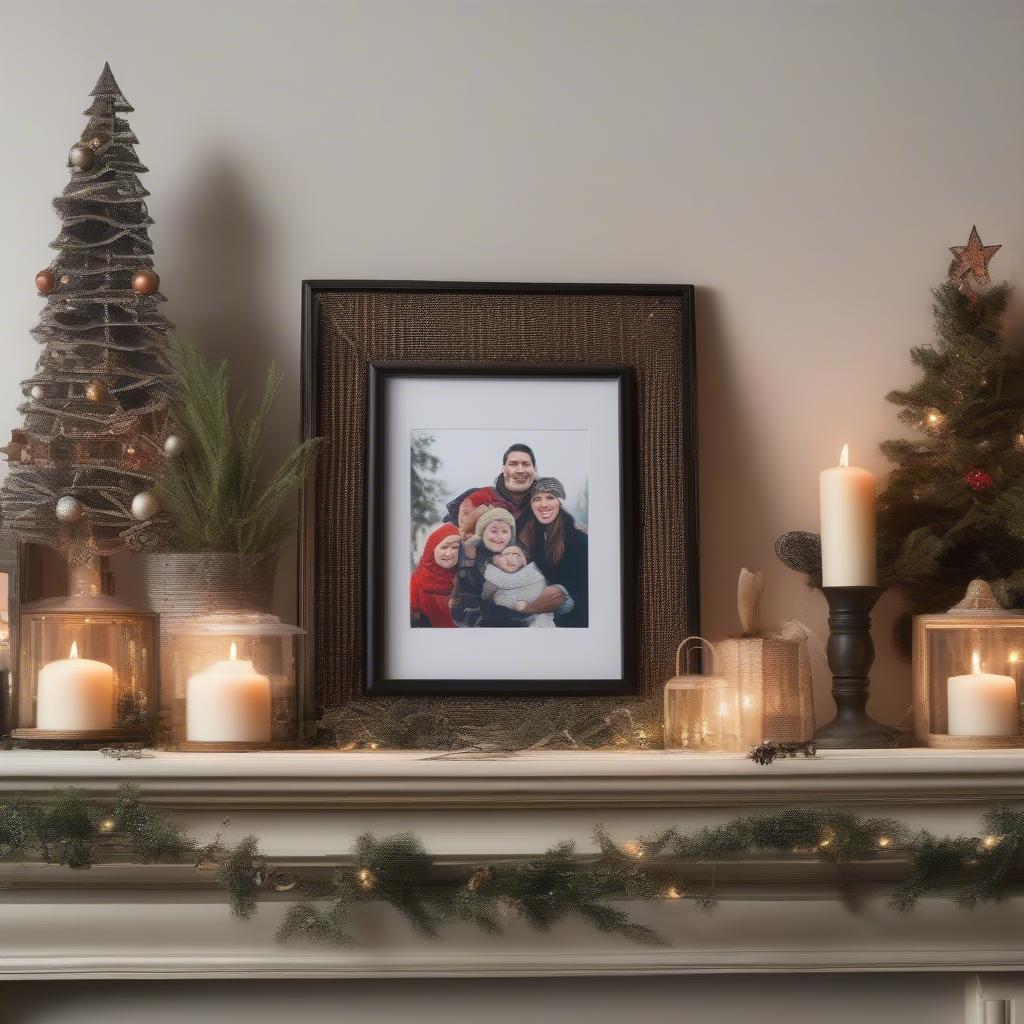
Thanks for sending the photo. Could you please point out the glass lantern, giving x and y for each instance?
(233, 684)
(8, 627)
(702, 708)
(86, 667)
(968, 667)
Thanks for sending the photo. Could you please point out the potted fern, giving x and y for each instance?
(224, 520)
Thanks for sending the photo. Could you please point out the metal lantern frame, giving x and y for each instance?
(43, 630)
(1001, 632)
(196, 644)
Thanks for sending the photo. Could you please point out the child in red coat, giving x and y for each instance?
(431, 585)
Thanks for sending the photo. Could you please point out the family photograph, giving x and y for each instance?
(507, 546)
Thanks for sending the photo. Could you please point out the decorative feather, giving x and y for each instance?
(748, 598)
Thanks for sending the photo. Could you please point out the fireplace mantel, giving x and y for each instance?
(774, 914)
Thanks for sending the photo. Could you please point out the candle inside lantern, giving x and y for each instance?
(982, 704)
(847, 505)
(228, 702)
(75, 694)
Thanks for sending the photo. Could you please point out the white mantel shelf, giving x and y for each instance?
(562, 779)
(307, 807)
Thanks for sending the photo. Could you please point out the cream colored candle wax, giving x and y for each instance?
(75, 694)
(982, 704)
(847, 525)
(228, 702)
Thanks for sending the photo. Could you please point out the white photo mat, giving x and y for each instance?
(527, 405)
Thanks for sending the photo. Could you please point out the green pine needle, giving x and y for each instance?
(213, 493)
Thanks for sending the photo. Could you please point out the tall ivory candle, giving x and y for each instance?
(75, 694)
(228, 702)
(847, 525)
(982, 704)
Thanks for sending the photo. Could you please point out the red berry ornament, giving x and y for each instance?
(978, 480)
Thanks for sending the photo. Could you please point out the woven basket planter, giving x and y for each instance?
(201, 583)
(181, 585)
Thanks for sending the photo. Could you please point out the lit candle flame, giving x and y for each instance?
(975, 664)
(1014, 657)
(74, 650)
(233, 656)
(844, 456)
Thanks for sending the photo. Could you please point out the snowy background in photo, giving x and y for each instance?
(445, 462)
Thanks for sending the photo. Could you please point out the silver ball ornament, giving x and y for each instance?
(82, 157)
(144, 506)
(174, 446)
(38, 392)
(69, 510)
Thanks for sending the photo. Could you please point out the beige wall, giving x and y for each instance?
(805, 164)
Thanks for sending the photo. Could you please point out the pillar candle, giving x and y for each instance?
(75, 694)
(228, 702)
(847, 525)
(982, 704)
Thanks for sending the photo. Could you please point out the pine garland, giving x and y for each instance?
(398, 870)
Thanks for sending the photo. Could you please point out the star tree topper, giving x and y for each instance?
(971, 260)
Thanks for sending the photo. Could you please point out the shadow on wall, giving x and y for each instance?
(222, 280)
(728, 461)
(219, 283)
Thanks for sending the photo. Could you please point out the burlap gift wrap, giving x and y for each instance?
(773, 672)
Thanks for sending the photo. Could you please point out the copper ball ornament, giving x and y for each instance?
(82, 157)
(174, 446)
(145, 282)
(69, 510)
(45, 281)
(96, 391)
(144, 506)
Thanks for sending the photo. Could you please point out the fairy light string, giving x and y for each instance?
(674, 866)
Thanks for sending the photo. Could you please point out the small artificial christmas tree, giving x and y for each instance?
(953, 508)
(95, 416)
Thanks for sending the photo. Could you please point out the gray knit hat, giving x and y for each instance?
(547, 485)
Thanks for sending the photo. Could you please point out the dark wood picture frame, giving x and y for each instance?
(376, 622)
(347, 325)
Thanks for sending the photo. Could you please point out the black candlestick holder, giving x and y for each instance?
(850, 656)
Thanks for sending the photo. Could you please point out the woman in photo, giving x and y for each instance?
(430, 588)
(559, 547)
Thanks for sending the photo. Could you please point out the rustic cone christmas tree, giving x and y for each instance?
(95, 416)
(953, 507)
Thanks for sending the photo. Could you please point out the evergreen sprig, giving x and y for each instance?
(242, 873)
(213, 493)
(543, 890)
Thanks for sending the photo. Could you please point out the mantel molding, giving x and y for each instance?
(417, 779)
(308, 807)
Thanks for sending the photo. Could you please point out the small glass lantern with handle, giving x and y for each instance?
(233, 685)
(968, 674)
(702, 707)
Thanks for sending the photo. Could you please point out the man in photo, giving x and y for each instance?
(518, 470)
(511, 488)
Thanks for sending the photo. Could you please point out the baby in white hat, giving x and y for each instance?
(511, 582)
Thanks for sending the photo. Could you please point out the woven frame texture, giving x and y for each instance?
(644, 332)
